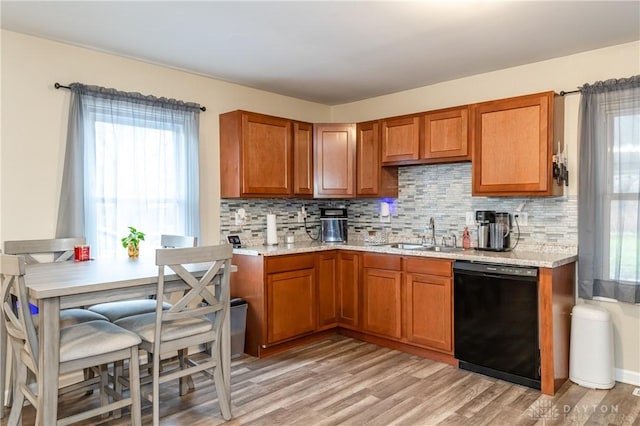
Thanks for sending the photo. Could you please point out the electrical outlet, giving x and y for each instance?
(470, 218)
(302, 214)
(521, 217)
(636, 392)
(241, 217)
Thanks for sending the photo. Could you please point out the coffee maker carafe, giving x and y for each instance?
(494, 229)
(484, 218)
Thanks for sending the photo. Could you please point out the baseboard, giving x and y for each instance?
(628, 376)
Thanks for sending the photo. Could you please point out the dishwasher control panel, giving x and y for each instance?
(490, 268)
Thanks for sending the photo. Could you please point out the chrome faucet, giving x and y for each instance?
(432, 227)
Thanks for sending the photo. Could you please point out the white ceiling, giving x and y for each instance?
(331, 52)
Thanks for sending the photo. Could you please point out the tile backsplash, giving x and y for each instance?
(439, 191)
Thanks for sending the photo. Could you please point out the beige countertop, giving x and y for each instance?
(515, 257)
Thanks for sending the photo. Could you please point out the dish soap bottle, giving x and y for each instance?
(466, 238)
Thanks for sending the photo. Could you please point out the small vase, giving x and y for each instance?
(133, 251)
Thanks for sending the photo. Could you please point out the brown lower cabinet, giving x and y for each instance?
(328, 302)
(296, 296)
(290, 304)
(348, 287)
(338, 289)
(402, 302)
(429, 303)
(382, 295)
(409, 299)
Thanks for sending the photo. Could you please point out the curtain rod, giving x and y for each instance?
(562, 93)
(60, 86)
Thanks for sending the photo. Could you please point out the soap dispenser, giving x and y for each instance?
(466, 238)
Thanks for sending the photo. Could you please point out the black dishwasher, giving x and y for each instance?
(496, 321)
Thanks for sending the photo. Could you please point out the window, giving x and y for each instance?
(135, 164)
(623, 196)
(609, 191)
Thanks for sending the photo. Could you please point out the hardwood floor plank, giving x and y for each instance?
(342, 381)
(384, 413)
(429, 367)
(480, 401)
(348, 408)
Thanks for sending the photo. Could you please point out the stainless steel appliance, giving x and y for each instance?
(484, 218)
(496, 321)
(494, 230)
(333, 225)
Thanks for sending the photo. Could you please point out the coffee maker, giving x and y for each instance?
(494, 230)
(333, 225)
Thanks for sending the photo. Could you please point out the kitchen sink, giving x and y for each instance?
(420, 247)
(443, 249)
(406, 246)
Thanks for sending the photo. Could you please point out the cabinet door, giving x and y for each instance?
(302, 158)
(371, 178)
(513, 146)
(446, 135)
(327, 290)
(368, 158)
(335, 160)
(348, 279)
(290, 304)
(266, 155)
(429, 311)
(400, 140)
(381, 304)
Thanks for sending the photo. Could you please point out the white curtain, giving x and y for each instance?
(609, 191)
(131, 160)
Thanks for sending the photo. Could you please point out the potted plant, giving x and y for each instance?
(132, 242)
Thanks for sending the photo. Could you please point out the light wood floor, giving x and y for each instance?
(344, 381)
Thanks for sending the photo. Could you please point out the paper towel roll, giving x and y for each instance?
(272, 233)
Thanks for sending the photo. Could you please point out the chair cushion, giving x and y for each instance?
(126, 308)
(94, 338)
(77, 316)
(144, 326)
(74, 316)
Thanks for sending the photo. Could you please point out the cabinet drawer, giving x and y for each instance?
(382, 261)
(429, 266)
(290, 263)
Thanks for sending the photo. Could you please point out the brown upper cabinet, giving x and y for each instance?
(513, 142)
(372, 180)
(257, 155)
(302, 159)
(401, 140)
(440, 136)
(446, 135)
(335, 160)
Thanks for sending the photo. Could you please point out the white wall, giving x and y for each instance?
(566, 73)
(34, 123)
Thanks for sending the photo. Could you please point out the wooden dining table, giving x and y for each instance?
(56, 286)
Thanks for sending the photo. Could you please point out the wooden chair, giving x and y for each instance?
(187, 323)
(82, 346)
(175, 241)
(114, 311)
(62, 249)
(53, 250)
